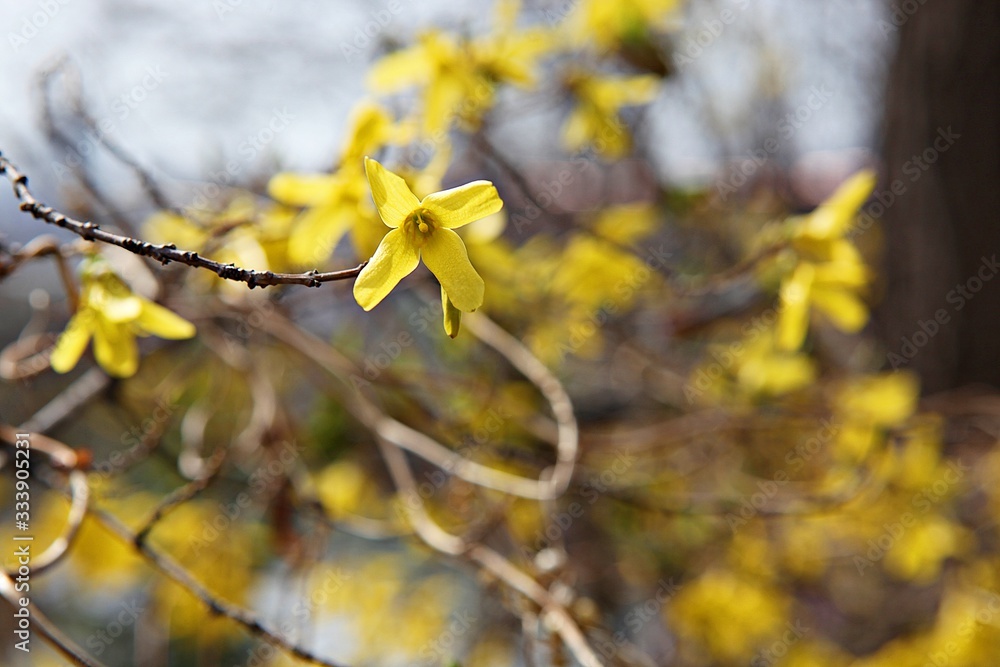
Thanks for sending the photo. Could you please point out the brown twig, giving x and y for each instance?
(64, 459)
(40, 622)
(557, 617)
(180, 576)
(68, 401)
(167, 253)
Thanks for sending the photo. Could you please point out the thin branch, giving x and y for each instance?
(64, 458)
(368, 413)
(60, 642)
(65, 142)
(521, 358)
(66, 402)
(180, 576)
(167, 253)
(182, 494)
(44, 246)
(426, 447)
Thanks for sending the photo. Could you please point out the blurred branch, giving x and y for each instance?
(521, 358)
(44, 246)
(68, 401)
(182, 494)
(40, 622)
(426, 447)
(180, 576)
(393, 437)
(165, 254)
(63, 458)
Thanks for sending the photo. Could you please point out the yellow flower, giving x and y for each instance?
(458, 77)
(337, 203)
(610, 25)
(819, 232)
(333, 204)
(830, 271)
(882, 400)
(114, 316)
(424, 228)
(595, 121)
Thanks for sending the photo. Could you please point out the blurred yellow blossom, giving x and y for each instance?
(610, 25)
(594, 121)
(830, 271)
(728, 615)
(459, 76)
(113, 316)
(338, 202)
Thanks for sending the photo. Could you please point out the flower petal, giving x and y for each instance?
(441, 99)
(464, 204)
(835, 215)
(157, 320)
(452, 315)
(302, 189)
(794, 319)
(400, 69)
(116, 307)
(445, 255)
(72, 342)
(842, 307)
(390, 193)
(115, 348)
(394, 260)
(317, 232)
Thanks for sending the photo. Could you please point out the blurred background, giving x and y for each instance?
(826, 505)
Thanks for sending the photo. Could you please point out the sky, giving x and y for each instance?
(191, 87)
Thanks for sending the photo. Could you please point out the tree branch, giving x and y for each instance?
(165, 254)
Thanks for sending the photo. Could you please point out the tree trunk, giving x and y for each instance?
(942, 153)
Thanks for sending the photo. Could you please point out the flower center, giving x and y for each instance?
(419, 225)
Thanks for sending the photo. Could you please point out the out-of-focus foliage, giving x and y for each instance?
(751, 487)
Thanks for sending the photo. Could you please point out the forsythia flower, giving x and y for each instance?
(424, 228)
(595, 121)
(114, 316)
(335, 203)
(609, 25)
(830, 270)
(459, 77)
